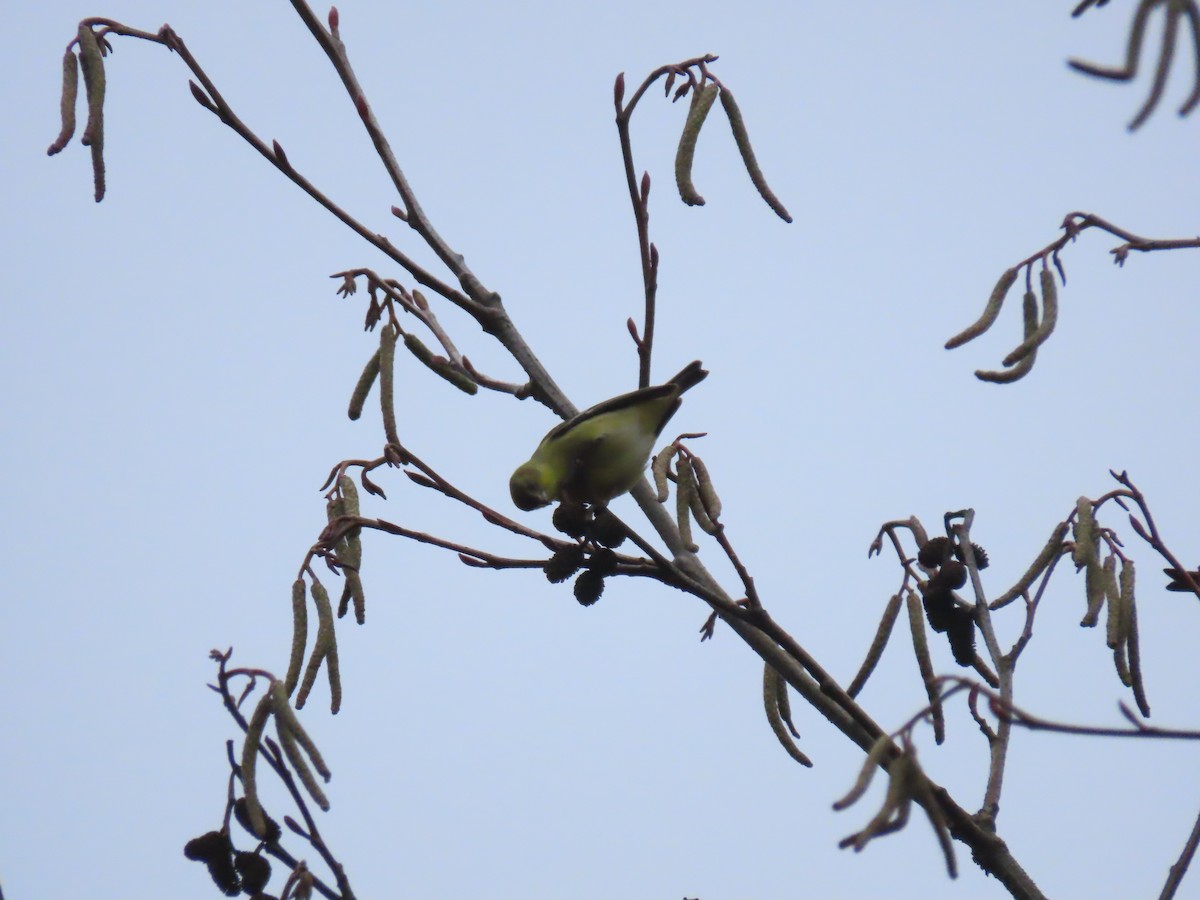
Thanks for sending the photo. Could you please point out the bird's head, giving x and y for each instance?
(528, 488)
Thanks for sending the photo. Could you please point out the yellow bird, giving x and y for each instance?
(602, 452)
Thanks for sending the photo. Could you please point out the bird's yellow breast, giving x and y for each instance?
(604, 455)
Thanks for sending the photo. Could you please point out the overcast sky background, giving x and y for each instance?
(177, 367)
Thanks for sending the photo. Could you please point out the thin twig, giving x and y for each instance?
(639, 192)
(1179, 869)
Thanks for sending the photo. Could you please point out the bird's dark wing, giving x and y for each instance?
(1177, 580)
(612, 405)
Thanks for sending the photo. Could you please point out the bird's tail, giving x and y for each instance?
(690, 376)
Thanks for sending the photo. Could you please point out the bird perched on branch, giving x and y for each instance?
(602, 452)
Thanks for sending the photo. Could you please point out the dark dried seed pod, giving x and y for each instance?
(952, 574)
(588, 587)
(209, 845)
(563, 564)
(254, 870)
(225, 876)
(603, 561)
(935, 551)
(571, 519)
(215, 850)
(608, 530)
(981, 557)
(939, 606)
(961, 632)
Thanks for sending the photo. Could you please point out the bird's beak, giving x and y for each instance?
(528, 492)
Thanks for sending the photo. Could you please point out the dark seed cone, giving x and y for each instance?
(207, 846)
(563, 564)
(254, 869)
(952, 575)
(603, 561)
(934, 552)
(225, 876)
(215, 850)
(588, 587)
(608, 530)
(939, 606)
(961, 632)
(572, 519)
(981, 557)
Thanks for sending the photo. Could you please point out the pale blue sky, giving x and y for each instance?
(177, 368)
